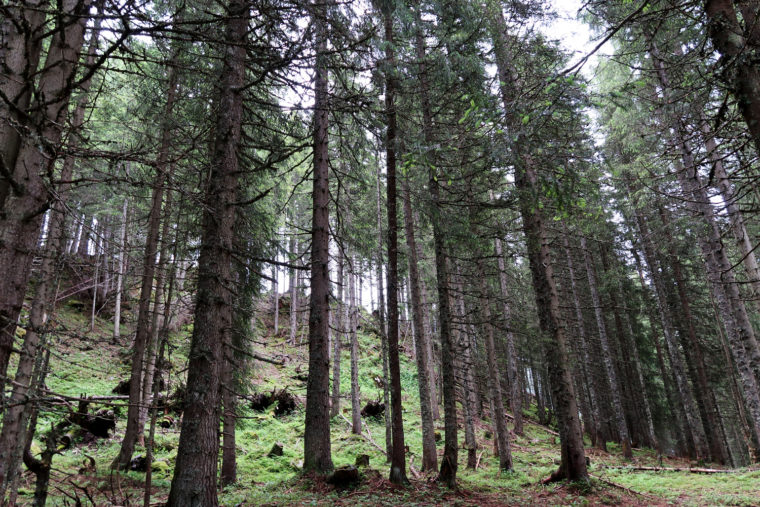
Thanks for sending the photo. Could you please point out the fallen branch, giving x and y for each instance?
(477, 462)
(674, 469)
(411, 467)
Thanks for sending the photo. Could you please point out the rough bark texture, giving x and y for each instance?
(317, 455)
(398, 457)
(20, 47)
(21, 218)
(11, 438)
(739, 68)
(421, 340)
(195, 472)
(449, 461)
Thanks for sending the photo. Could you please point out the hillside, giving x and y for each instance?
(84, 364)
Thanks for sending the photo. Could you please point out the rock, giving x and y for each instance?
(373, 409)
(276, 450)
(344, 476)
(138, 464)
(362, 460)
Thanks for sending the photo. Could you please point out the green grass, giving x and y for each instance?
(84, 363)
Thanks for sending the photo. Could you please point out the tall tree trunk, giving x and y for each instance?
(421, 339)
(21, 40)
(398, 454)
(339, 332)
(317, 456)
(573, 460)
(142, 333)
(512, 375)
(356, 417)
(693, 424)
(737, 220)
(120, 274)
(596, 432)
(382, 324)
(276, 299)
(693, 348)
(293, 286)
(21, 219)
(194, 481)
(494, 384)
(617, 403)
(449, 462)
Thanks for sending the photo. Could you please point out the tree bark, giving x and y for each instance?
(317, 455)
(142, 333)
(421, 339)
(398, 454)
(494, 384)
(195, 472)
(21, 218)
(573, 459)
(449, 461)
(356, 417)
(512, 375)
(738, 70)
(21, 40)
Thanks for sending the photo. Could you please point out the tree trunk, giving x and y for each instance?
(494, 384)
(596, 432)
(339, 332)
(449, 462)
(25, 206)
(20, 46)
(421, 339)
(317, 456)
(398, 454)
(693, 348)
(512, 375)
(142, 333)
(356, 417)
(382, 324)
(737, 69)
(693, 424)
(573, 460)
(120, 273)
(194, 481)
(617, 404)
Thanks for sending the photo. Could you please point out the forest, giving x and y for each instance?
(385, 252)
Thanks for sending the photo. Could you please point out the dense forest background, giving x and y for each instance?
(253, 250)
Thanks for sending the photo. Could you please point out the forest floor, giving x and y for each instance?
(84, 362)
